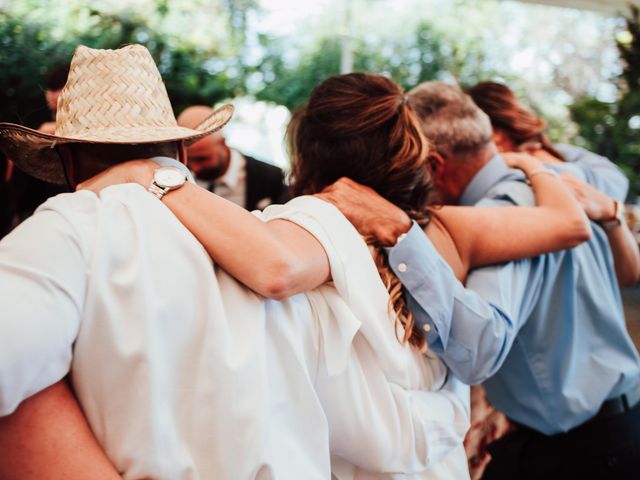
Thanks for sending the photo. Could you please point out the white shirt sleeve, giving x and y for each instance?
(389, 408)
(42, 284)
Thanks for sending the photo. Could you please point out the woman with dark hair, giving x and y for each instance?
(592, 178)
(395, 409)
(515, 127)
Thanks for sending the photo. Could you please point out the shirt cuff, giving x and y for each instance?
(418, 266)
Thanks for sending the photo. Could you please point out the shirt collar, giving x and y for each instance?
(487, 177)
(172, 162)
(232, 175)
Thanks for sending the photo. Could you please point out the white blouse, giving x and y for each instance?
(183, 373)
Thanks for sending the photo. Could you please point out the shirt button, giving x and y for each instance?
(402, 267)
(426, 327)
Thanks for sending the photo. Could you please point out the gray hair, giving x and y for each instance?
(449, 118)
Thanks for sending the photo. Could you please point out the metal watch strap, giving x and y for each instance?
(618, 217)
(157, 191)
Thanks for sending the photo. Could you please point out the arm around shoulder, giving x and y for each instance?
(486, 236)
(42, 287)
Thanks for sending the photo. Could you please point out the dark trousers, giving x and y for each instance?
(607, 449)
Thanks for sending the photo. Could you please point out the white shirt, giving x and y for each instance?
(185, 374)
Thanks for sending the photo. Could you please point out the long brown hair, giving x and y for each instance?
(360, 126)
(508, 114)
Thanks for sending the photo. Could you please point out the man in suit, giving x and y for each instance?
(239, 178)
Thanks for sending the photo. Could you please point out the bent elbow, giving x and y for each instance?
(276, 291)
(580, 232)
(278, 282)
(476, 375)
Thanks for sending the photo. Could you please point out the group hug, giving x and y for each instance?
(435, 239)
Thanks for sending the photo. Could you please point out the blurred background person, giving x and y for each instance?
(237, 177)
(52, 88)
(21, 194)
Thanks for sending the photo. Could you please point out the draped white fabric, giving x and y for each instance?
(185, 374)
(609, 6)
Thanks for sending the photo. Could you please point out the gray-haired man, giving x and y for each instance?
(546, 335)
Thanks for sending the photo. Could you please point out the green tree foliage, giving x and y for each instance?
(613, 129)
(409, 58)
(192, 74)
(290, 81)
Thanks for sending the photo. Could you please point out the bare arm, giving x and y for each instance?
(626, 255)
(601, 208)
(485, 236)
(275, 259)
(48, 437)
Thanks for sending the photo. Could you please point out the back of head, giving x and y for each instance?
(509, 115)
(193, 116)
(360, 126)
(84, 160)
(449, 118)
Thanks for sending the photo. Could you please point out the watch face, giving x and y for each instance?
(169, 177)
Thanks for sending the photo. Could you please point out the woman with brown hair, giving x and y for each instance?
(360, 126)
(594, 179)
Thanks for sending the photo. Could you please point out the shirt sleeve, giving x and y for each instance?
(596, 170)
(473, 328)
(402, 425)
(42, 284)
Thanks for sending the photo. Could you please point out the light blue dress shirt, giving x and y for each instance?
(547, 334)
(596, 170)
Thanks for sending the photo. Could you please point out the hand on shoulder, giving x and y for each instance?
(370, 214)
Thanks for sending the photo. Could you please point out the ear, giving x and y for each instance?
(437, 161)
(502, 141)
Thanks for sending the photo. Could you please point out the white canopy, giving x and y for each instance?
(608, 6)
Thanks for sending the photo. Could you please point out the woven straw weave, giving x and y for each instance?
(114, 95)
(111, 96)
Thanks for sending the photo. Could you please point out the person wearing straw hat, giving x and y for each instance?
(181, 371)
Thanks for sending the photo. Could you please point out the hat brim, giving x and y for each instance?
(34, 153)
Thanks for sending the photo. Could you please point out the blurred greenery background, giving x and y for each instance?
(580, 70)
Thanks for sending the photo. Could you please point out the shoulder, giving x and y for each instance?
(76, 210)
(58, 233)
(509, 192)
(572, 153)
(262, 167)
(571, 150)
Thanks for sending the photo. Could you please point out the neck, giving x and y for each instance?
(470, 163)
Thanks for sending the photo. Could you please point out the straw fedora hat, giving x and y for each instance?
(111, 97)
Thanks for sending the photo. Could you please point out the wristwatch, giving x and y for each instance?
(166, 179)
(618, 217)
